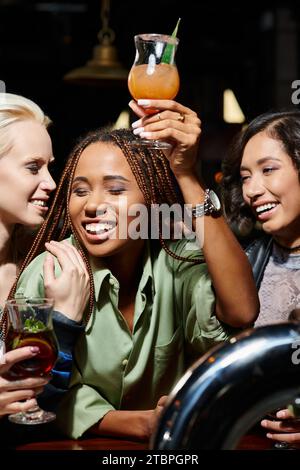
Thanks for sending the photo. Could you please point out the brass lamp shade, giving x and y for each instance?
(103, 66)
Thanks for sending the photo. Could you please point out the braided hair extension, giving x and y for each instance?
(152, 166)
(153, 175)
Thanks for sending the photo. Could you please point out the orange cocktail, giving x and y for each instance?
(154, 75)
(161, 81)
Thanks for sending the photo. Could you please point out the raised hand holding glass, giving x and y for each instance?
(31, 325)
(154, 75)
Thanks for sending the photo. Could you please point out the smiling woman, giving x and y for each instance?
(261, 185)
(108, 174)
(25, 182)
(24, 178)
(271, 188)
(25, 186)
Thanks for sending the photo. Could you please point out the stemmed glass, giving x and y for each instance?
(294, 315)
(31, 325)
(278, 445)
(154, 75)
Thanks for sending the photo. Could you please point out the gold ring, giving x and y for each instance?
(181, 117)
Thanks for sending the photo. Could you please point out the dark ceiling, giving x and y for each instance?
(220, 46)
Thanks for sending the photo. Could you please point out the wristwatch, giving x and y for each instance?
(211, 205)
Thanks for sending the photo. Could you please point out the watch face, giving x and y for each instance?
(214, 200)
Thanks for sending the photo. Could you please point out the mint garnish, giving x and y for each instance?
(33, 326)
(170, 48)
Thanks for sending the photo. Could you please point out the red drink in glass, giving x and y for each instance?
(40, 364)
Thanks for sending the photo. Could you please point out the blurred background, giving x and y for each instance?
(235, 61)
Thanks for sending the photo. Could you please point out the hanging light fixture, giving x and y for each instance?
(104, 68)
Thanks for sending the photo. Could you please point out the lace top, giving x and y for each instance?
(1, 331)
(279, 292)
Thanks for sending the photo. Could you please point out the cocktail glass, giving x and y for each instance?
(31, 325)
(154, 75)
(294, 315)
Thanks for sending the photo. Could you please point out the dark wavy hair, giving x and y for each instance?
(283, 126)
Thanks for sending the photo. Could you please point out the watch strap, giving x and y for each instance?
(211, 205)
(200, 209)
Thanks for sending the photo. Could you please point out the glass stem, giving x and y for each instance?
(34, 413)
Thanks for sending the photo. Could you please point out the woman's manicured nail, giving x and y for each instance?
(136, 124)
(143, 102)
(145, 134)
(138, 130)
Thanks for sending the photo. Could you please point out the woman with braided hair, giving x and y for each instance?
(154, 305)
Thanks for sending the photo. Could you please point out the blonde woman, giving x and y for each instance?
(25, 181)
(25, 187)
